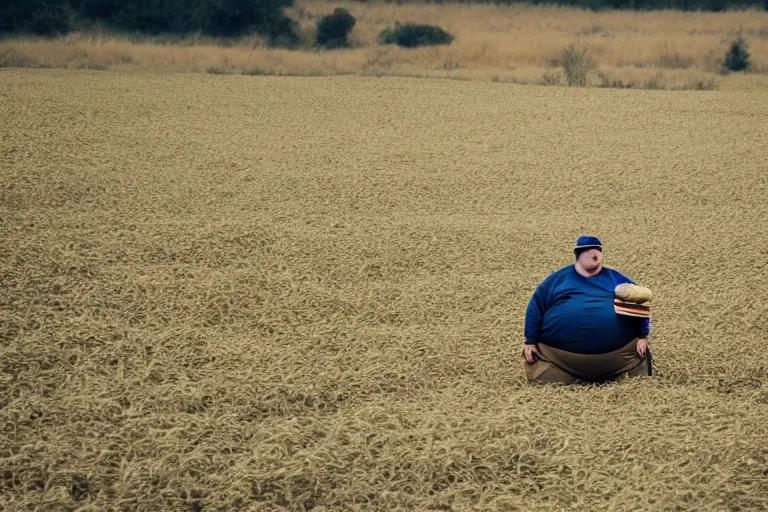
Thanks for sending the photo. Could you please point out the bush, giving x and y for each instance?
(333, 29)
(387, 36)
(551, 78)
(576, 65)
(737, 58)
(617, 83)
(412, 35)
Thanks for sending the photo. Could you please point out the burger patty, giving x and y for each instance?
(631, 308)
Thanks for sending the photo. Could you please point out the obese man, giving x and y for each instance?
(572, 332)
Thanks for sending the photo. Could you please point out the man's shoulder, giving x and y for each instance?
(560, 274)
(618, 276)
(552, 282)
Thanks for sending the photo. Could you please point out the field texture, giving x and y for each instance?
(286, 293)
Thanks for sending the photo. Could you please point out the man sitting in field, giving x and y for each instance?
(573, 332)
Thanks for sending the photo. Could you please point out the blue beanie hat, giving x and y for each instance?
(587, 242)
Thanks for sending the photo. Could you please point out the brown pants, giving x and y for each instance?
(560, 366)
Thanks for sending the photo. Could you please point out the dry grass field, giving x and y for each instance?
(517, 43)
(307, 293)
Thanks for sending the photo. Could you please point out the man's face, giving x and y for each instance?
(591, 260)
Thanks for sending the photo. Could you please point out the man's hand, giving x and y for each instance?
(530, 353)
(642, 346)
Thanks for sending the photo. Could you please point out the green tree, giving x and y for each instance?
(737, 57)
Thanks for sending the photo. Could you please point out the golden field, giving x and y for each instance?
(308, 293)
(517, 43)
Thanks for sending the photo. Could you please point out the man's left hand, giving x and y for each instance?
(642, 346)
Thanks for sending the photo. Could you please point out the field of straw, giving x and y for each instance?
(517, 43)
(308, 293)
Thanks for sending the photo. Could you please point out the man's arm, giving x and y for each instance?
(642, 338)
(642, 346)
(534, 314)
(534, 317)
(645, 328)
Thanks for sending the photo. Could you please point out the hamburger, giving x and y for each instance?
(630, 300)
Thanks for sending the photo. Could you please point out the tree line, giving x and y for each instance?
(219, 18)
(232, 18)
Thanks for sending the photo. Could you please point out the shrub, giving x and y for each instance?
(412, 35)
(617, 83)
(551, 78)
(333, 29)
(576, 65)
(387, 36)
(737, 57)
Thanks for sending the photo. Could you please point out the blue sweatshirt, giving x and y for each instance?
(575, 313)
